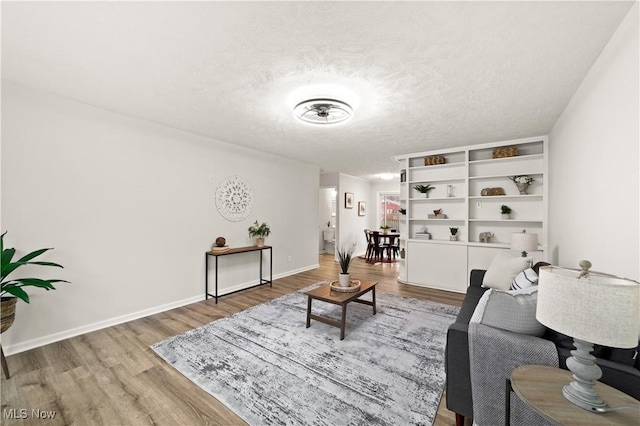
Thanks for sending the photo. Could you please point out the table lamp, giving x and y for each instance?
(592, 308)
(523, 242)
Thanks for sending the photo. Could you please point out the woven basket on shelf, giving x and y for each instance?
(432, 161)
(7, 313)
(505, 151)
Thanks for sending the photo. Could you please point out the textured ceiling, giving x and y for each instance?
(419, 75)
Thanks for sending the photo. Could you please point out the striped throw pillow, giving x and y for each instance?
(524, 279)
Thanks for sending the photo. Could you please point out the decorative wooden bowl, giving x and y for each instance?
(355, 286)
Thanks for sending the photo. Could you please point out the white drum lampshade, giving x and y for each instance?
(524, 242)
(592, 308)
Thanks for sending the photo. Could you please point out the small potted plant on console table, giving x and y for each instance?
(259, 231)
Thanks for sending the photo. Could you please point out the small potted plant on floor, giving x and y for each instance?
(344, 257)
(454, 234)
(424, 190)
(259, 231)
(506, 211)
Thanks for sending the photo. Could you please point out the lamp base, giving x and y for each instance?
(585, 371)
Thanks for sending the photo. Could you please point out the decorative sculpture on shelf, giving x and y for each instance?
(484, 237)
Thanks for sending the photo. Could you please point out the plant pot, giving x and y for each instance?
(344, 280)
(7, 313)
(260, 242)
(385, 231)
(522, 187)
(506, 216)
(453, 238)
(423, 195)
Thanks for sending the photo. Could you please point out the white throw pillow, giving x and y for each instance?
(524, 279)
(510, 310)
(503, 269)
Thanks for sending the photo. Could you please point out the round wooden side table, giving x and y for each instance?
(540, 387)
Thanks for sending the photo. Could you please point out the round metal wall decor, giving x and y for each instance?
(234, 199)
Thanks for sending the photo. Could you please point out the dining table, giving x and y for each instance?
(383, 243)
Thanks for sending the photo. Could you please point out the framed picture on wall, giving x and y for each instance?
(348, 200)
(362, 208)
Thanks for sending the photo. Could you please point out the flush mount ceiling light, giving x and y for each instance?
(323, 111)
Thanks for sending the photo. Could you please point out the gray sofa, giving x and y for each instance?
(478, 359)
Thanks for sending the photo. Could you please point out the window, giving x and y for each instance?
(388, 212)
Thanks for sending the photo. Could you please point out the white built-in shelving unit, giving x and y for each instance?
(458, 185)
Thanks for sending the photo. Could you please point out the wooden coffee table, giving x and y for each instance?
(325, 294)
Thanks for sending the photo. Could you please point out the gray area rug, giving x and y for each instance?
(269, 369)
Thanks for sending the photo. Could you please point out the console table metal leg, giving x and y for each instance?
(270, 267)
(216, 296)
(309, 311)
(206, 276)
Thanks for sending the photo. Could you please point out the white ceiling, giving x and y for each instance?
(419, 75)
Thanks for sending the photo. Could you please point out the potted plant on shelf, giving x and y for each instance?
(344, 257)
(506, 211)
(403, 211)
(522, 182)
(385, 229)
(454, 234)
(259, 231)
(424, 190)
(12, 289)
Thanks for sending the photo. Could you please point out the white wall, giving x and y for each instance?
(594, 163)
(351, 226)
(129, 207)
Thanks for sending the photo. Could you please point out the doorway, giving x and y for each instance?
(327, 203)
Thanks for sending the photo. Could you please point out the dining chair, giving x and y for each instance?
(369, 252)
(379, 247)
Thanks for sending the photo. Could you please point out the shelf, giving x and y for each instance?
(458, 180)
(439, 166)
(508, 159)
(507, 220)
(506, 176)
(437, 220)
(504, 197)
(438, 199)
(453, 243)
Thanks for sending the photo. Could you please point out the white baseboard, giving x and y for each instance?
(66, 334)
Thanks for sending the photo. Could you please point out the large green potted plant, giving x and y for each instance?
(12, 289)
(259, 231)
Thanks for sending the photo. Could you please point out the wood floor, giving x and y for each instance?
(112, 377)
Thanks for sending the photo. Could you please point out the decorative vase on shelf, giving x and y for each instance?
(344, 280)
(522, 187)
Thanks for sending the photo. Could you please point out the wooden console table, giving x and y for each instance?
(236, 251)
